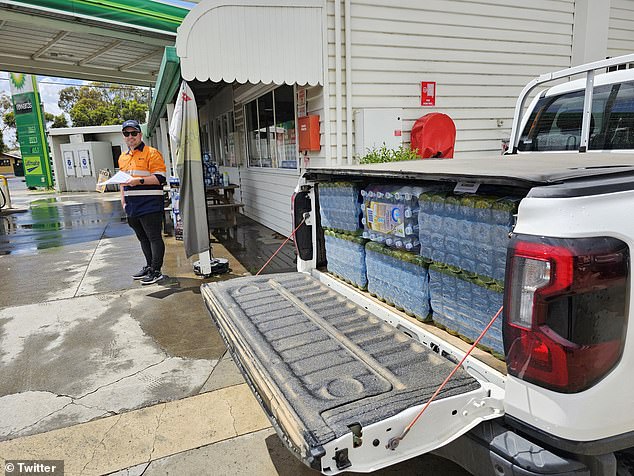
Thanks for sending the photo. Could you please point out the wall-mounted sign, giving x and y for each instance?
(428, 93)
(84, 161)
(23, 107)
(29, 121)
(69, 163)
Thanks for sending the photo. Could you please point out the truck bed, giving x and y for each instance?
(319, 363)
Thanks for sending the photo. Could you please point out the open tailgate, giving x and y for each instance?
(336, 381)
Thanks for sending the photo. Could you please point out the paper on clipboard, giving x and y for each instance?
(119, 177)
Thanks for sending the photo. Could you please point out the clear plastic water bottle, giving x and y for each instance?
(412, 244)
(412, 229)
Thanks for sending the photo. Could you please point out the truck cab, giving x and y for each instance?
(555, 116)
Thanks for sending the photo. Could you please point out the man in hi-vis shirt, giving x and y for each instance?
(142, 199)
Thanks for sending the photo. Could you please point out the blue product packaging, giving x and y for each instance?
(465, 305)
(346, 257)
(340, 207)
(399, 278)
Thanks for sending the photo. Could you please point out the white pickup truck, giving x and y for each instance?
(343, 376)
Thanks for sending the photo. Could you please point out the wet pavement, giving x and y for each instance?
(109, 375)
(79, 339)
(253, 244)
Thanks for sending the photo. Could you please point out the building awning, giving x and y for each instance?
(143, 14)
(118, 41)
(166, 86)
(253, 41)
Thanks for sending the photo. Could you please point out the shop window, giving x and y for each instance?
(204, 139)
(270, 129)
(224, 140)
(5, 162)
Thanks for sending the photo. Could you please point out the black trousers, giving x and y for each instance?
(148, 231)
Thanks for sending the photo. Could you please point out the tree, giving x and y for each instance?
(101, 104)
(55, 122)
(8, 122)
(9, 119)
(50, 119)
(59, 121)
(6, 109)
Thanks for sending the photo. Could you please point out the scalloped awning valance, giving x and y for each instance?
(253, 41)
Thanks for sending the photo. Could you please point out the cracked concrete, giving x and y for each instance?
(116, 420)
(123, 441)
(79, 339)
(93, 350)
(225, 374)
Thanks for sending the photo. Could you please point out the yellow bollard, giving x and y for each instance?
(5, 197)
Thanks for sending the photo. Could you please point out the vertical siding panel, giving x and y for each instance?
(621, 30)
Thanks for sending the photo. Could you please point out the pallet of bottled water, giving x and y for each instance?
(390, 215)
(398, 278)
(339, 207)
(346, 257)
(465, 304)
(470, 233)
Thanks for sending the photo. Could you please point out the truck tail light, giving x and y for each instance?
(565, 312)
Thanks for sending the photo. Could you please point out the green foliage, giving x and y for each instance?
(59, 121)
(383, 154)
(9, 119)
(6, 109)
(55, 121)
(102, 104)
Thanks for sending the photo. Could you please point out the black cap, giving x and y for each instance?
(131, 123)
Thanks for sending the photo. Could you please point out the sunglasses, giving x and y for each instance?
(130, 133)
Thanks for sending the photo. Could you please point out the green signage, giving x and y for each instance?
(29, 121)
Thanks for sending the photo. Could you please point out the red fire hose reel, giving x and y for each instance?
(434, 135)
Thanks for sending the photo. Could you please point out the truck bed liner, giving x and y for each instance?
(320, 363)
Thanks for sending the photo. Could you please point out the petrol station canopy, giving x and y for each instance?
(115, 41)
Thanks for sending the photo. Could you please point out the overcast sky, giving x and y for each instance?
(49, 88)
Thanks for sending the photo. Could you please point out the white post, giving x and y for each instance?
(170, 113)
(165, 145)
(205, 262)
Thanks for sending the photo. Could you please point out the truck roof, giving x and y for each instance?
(524, 169)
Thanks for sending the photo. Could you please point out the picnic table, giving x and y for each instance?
(221, 206)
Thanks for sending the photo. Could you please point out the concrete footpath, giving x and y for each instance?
(117, 378)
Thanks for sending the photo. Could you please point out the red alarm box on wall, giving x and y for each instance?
(308, 133)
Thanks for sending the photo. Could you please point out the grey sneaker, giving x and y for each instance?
(143, 273)
(152, 277)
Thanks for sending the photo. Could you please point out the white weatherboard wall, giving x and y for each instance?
(621, 31)
(265, 192)
(480, 53)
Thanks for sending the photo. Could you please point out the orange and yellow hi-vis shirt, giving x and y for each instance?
(143, 162)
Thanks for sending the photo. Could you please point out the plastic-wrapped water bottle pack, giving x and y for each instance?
(399, 278)
(469, 233)
(339, 206)
(390, 215)
(346, 257)
(465, 305)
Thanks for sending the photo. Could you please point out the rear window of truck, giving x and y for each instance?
(555, 123)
